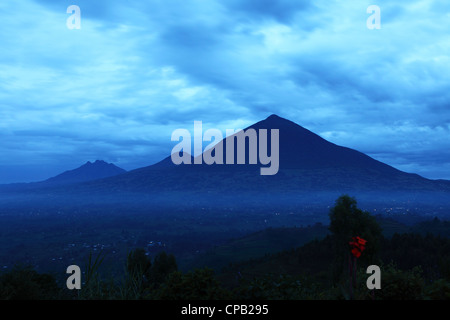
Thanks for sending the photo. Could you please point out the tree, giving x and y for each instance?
(347, 221)
(138, 264)
(163, 265)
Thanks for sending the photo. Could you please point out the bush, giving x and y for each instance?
(401, 285)
(438, 290)
(199, 284)
(24, 283)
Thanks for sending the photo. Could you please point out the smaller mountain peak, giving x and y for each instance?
(89, 171)
(96, 163)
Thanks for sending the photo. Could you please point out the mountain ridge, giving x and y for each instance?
(307, 162)
(87, 172)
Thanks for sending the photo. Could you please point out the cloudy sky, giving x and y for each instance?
(116, 88)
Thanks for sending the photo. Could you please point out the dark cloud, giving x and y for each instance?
(137, 70)
(282, 11)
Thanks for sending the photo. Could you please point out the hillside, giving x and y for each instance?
(257, 245)
(273, 240)
(314, 258)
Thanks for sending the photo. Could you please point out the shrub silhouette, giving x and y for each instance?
(397, 284)
(163, 265)
(24, 283)
(199, 284)
(347, 221)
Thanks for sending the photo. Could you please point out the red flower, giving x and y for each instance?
(358, 246)
(356, 252)
(361, 241)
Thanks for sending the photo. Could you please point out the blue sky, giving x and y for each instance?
(135, 71)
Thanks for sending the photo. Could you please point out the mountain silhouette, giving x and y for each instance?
(87, 172)
(307, 162)
(310, 167)
(312, 173)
